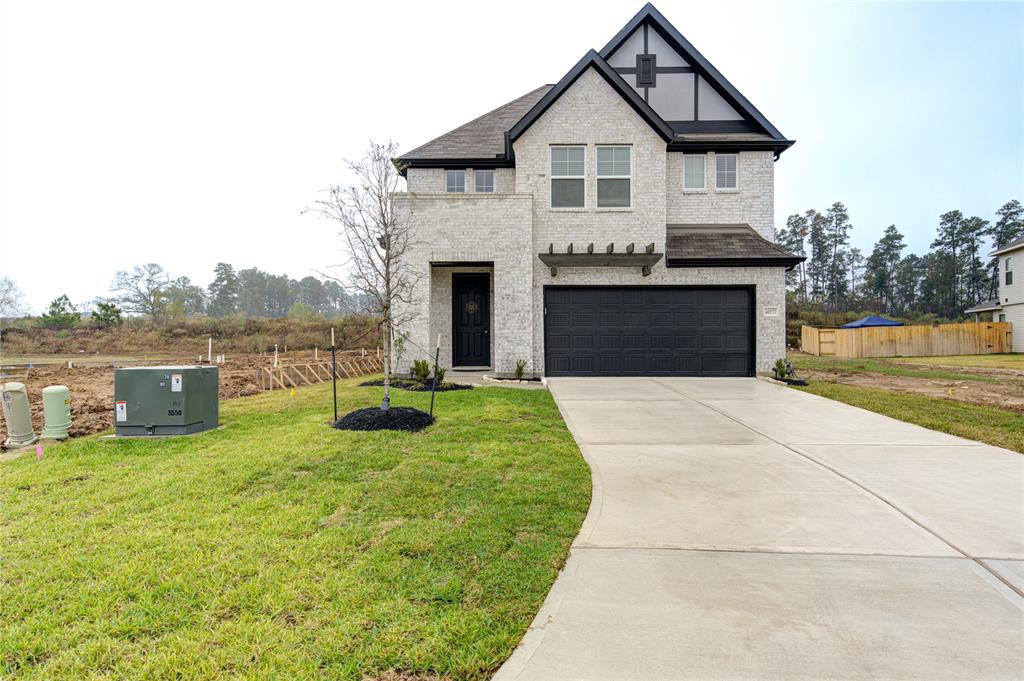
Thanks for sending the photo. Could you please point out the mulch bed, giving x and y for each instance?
(396, 418)
(417, 386)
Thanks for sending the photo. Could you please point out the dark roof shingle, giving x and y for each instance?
(481, 138)
(690, 245)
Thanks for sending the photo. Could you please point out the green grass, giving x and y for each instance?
(985, 424)
(279, 548)
(1009, 361)
(886, 367)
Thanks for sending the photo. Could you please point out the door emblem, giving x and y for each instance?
(472, 307)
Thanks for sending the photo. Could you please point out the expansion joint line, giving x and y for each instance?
(853, 482)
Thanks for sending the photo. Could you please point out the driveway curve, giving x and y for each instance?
(739, 529)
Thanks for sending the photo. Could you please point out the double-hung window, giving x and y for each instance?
(455, 180)
(484, 180)
(1008, 268)
(567, 176)
(693, 172)
(613, 177)
(725, 171)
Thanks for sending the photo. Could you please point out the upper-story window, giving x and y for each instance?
(455, 180)
(614, 177)
(725, 171)
(484, 180)
(1008, 268)
(693, 172)
(567, 176)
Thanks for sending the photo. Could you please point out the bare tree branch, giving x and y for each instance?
(375, 240)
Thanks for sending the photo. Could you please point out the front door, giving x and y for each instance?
(471, 320)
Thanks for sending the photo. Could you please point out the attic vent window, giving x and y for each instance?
(645, 65)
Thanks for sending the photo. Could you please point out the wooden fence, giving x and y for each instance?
(294, 375)
(983, 338)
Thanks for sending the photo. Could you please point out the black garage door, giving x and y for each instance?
(648, 331)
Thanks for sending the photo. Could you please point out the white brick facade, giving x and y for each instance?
(510, 227)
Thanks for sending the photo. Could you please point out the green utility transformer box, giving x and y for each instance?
(165, 400)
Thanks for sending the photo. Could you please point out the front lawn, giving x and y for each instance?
(887, 367)
(280, 548)
(975, 422)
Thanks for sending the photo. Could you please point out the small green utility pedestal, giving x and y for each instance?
(169, 400)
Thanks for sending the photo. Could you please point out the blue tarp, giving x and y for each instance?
(871, 320)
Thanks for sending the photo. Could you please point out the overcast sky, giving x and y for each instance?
(188, 133)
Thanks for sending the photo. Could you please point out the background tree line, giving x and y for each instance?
(956, 273)
(150, 292)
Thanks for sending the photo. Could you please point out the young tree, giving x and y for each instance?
(106, 314)
(60, 315)
(1009, 225)
(12, 300)
(376, 241)
(143, 290)
(223, 291)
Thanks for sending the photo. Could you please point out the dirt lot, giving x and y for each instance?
(92, 382)
(984, 385)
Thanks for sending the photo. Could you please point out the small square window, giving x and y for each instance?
(484, 180)
(725, 171)
(1002, 317)
(693, 171)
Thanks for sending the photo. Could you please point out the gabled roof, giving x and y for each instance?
(718, 245)
(486, 142)
(483, 138)
(650, 15)
(1012, 246)
(593, 60)
(987, 306)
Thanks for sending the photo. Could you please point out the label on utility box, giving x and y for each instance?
(120, 410)
(175, 383)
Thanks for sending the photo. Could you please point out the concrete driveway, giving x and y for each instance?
(744, 530)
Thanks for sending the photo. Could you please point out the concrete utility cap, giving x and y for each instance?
(17, 415)
(56, 412)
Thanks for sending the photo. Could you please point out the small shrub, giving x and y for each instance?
(421, 369)
(520, 368)
(439, 375)
(780, 369)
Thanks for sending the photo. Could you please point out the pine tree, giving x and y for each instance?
(949, 244)
(1009, 225)
(880, 269)
(223, 290)
(793, 238)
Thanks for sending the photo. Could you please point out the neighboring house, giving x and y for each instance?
(619, 222)
(1009, 306)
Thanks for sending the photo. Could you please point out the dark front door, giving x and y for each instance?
(648, 331)
(471, 319)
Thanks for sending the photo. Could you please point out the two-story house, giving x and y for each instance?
(616, 223)
(1009, 305)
